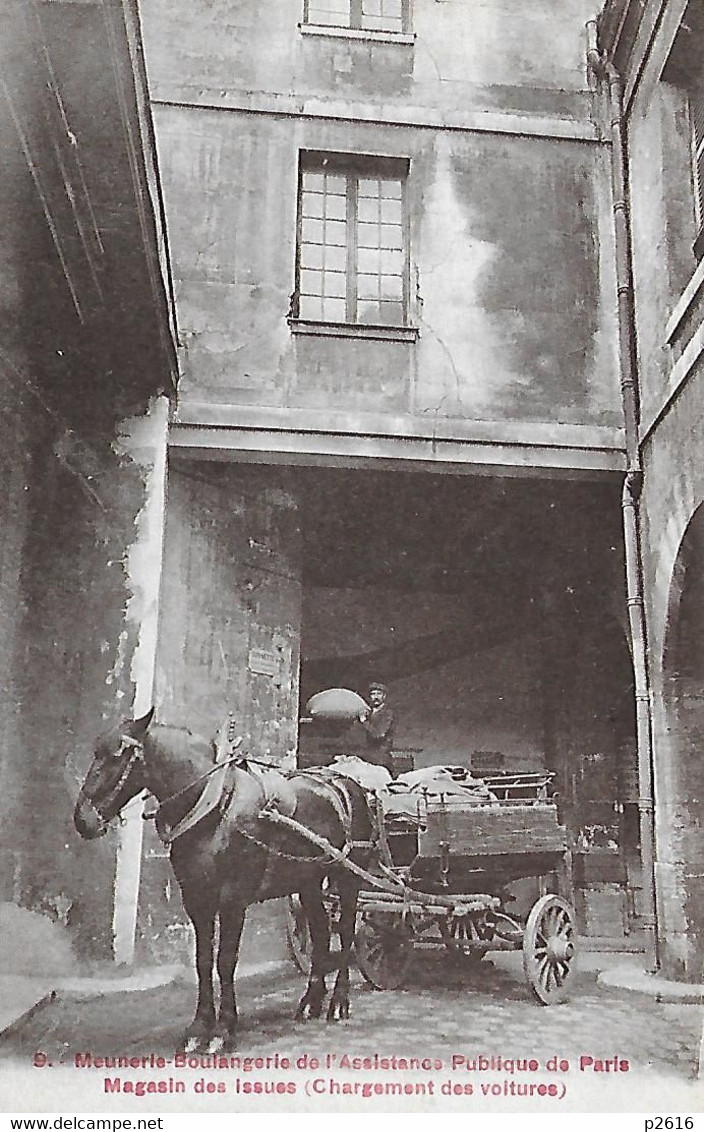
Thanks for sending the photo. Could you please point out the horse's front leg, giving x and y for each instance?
(231, 924)
(311, 1005)
(201, 1030)
(339, 1006)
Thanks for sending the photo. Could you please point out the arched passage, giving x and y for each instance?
(680, 763)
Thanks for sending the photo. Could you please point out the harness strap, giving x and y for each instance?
(206, 802)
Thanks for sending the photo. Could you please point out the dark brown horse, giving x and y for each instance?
(236, 856)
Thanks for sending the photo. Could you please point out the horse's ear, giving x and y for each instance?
(139, 727)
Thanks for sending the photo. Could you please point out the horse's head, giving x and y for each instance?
(116, 774)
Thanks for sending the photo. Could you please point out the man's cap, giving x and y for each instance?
(377, 686)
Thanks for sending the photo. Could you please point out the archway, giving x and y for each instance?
(680, 763)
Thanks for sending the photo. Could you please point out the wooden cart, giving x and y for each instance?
(467, 851)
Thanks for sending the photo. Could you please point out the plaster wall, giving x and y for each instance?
(228, 643)
(75, 470)
(673, 490)
(230, 605)
(511, 274)
(488, 53)
(668, 310)
(80, 613)
(662, 218)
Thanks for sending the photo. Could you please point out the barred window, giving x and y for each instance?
(366, 15)
(352, 251)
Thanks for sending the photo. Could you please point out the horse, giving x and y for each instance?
(234, 856)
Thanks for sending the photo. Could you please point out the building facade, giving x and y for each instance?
(398, 450)
(86, 368)
(436, 419)
(657, 52)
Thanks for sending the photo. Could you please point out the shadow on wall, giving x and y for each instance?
(33, 944)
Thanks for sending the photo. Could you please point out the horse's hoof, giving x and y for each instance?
(216, 1044)
(338, 1011)
(309, 1011)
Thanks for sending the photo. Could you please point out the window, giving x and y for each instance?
(696, 111)
(364, 15)
(685, 70)
(352, 251)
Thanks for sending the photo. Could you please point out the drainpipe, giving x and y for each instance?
(605, 73)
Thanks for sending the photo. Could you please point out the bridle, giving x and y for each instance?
(136, 755)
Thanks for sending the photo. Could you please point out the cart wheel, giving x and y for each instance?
(298, 935)
(549, 948)
(458, 936)
(384, 950)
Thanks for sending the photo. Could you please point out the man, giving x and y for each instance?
(378, 725)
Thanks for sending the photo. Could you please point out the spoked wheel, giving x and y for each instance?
(298, 934)
(549, 949)
(460, 936)
(384, 949)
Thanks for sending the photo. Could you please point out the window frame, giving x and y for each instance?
(355, 167)
(695, 96)
(356, 23)
(684, 69)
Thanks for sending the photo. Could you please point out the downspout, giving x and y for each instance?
(605, 73)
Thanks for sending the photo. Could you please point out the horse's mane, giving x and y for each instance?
(182, 740)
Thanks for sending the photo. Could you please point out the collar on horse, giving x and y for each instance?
(214, 795)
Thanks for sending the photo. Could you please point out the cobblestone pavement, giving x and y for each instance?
(447, 1010)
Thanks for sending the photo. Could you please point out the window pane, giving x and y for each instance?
(335, 185)
(334, 310)
(336, 258)
(390, 211)
(335, 232)
(368, 312)
(367, 286)
(392, 287)
(368, 235)
(313, 182)
(368, 261)
(312, 255)
(329, 12)
(391, 189)
(312, 231)
(313, 204)
(311, 283)
(391, 314)
(335, 285)
(336, 207)
(384, 15)
(368, 188)
(309, 307)
(368, 210)
(383, 24)
(392, 262)
(391, 236)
